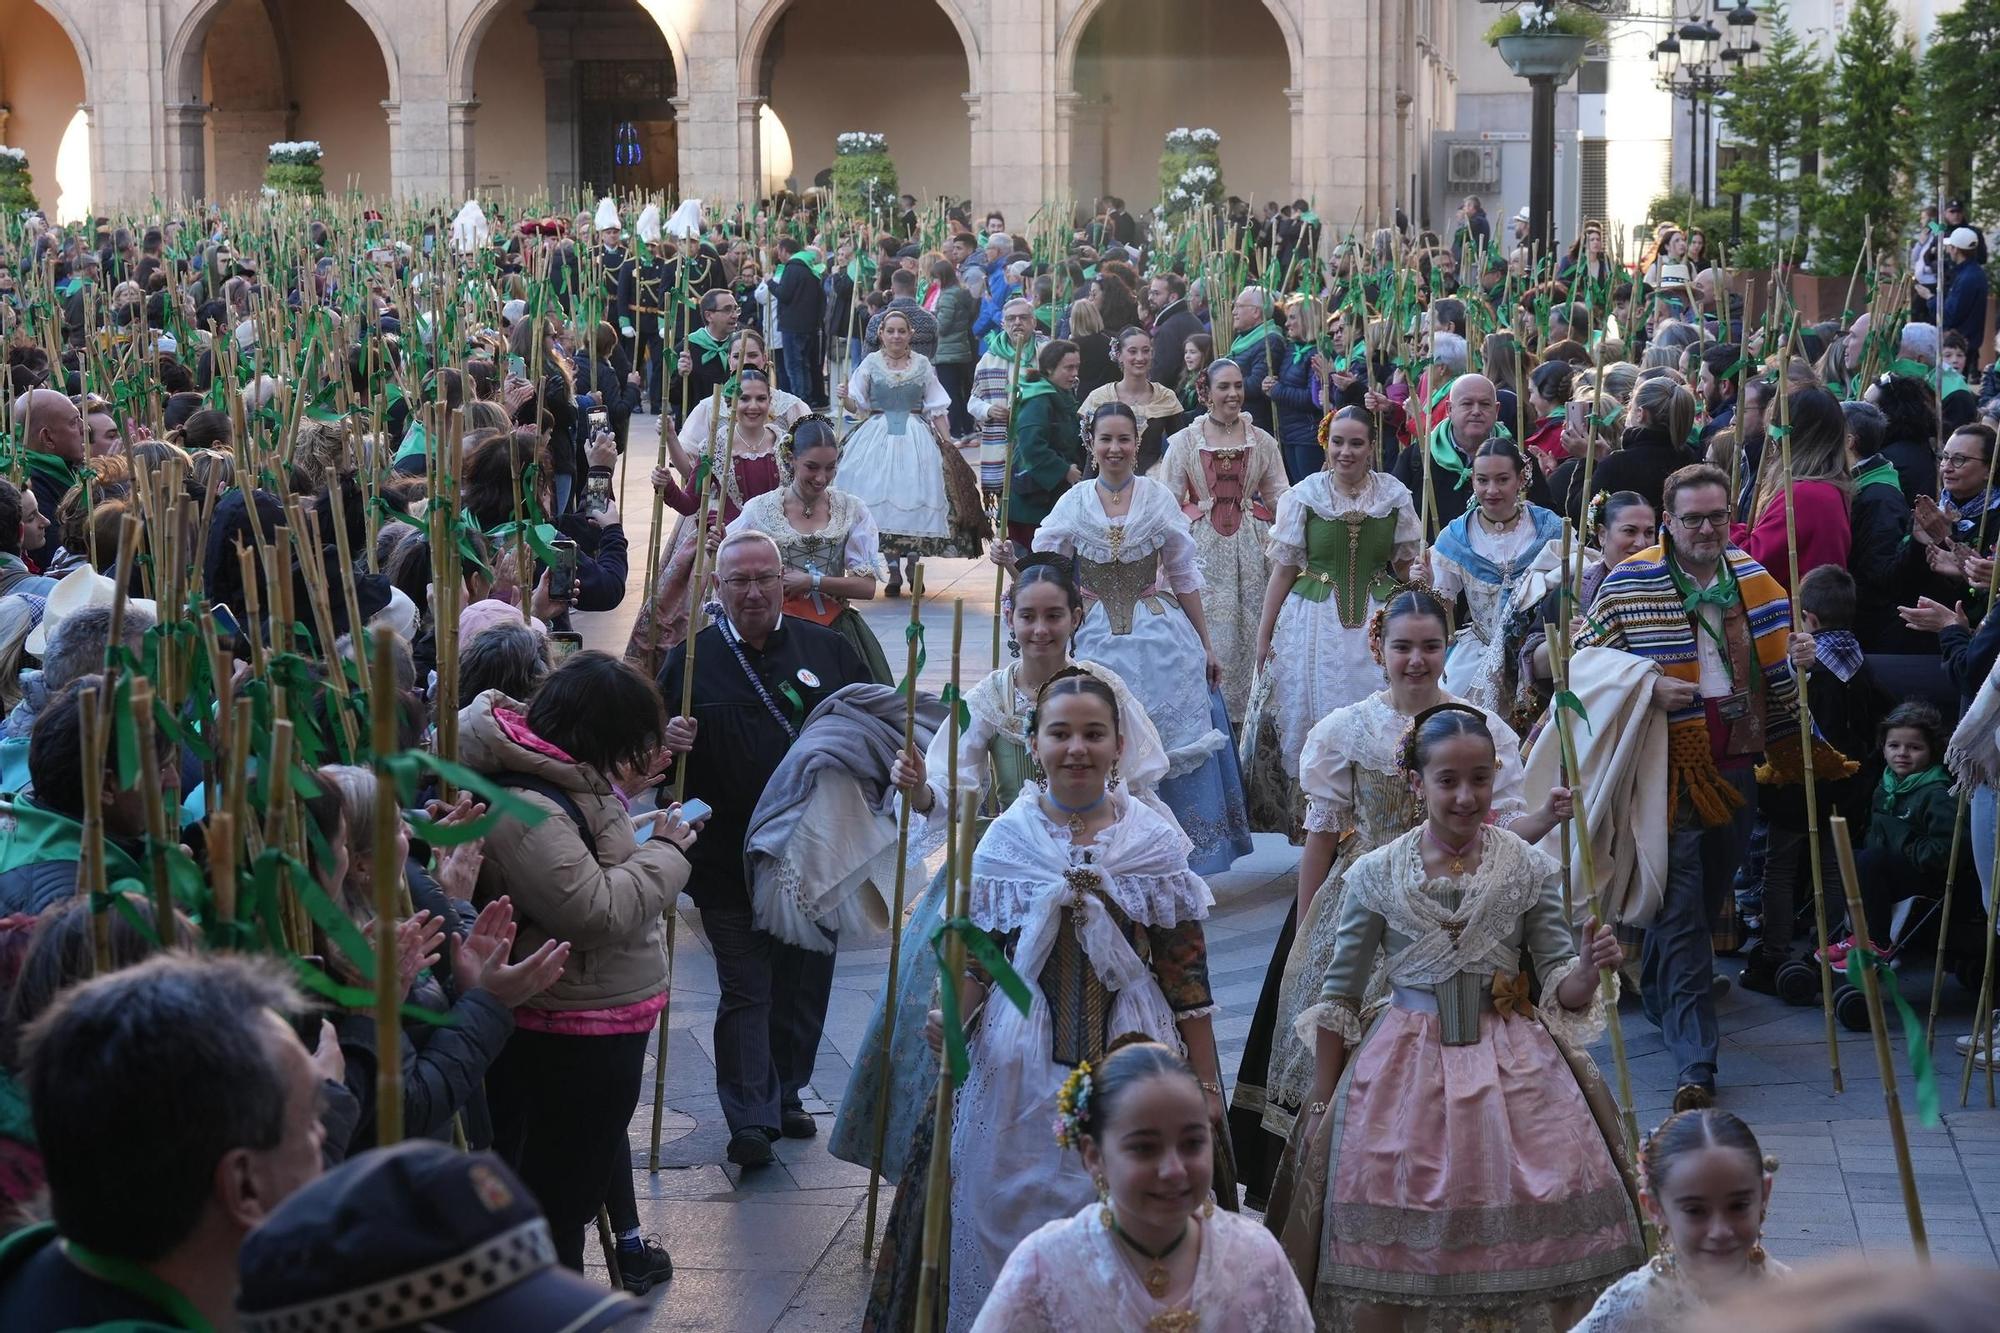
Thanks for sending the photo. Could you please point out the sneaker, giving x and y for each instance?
(1978, 1041)
(1693, 1097)
(749, 1147)
(643, 1264)
(1836, 953)
(797, 1123)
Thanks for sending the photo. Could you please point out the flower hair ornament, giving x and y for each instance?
(1593, 513)
(1378, 623)
(1072, 1106)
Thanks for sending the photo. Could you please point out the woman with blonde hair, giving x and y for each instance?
(1097, 348)
(1659, 422)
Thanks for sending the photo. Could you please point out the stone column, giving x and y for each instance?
(749, 160)
(184, 123)
(559, 90)
(462, 167)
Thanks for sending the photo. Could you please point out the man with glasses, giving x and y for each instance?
(758, 675)
(1719, 629)
(704, 357)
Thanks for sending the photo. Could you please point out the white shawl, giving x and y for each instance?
(1079, 518)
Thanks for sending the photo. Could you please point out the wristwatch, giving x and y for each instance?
(816, 578)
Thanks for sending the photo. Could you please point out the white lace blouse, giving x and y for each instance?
(1078, 526)
(1369, 734)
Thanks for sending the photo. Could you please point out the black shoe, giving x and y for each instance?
(797, 1123)
(894, 586)
(1760, 972)
(1693, 1097)
(643, 1266)
(749, 1147)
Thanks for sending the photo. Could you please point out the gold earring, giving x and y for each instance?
(1104, 1217)
(1664, 1263)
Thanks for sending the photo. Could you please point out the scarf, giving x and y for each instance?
(1839, 652)
(1264, 332)
(814, 265)
(1963, 515)
(1896, 788)
(712, 348)
(1032, 389)
(1875, 471)
(1445, 451)
(52, 468)
(996, 344)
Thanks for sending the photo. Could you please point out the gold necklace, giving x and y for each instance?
(1156, 1276)
(805, 505)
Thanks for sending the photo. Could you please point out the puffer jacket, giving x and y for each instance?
(609, 909)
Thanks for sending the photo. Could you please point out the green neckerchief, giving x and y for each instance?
(1251, 337)
(1032, 389)
(1896, 788)
(1723, 594)
(997, 344)
(1876, 471)
(712, 348)
(1445, 452)
(1438, 396)
(816, 267)
(52, 467)
(133, 1280)
(416, 443)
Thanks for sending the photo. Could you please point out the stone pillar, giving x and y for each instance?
(184, 123)
(749, 157)
(462, 167)
(1295, 105)
(1017, 115)
(710, 127)
(559, 89)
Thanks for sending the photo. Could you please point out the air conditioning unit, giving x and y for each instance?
(1472, 166)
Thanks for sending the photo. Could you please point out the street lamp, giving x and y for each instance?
(1694, 62)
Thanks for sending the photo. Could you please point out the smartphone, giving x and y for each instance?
(597, 494)
(564, 644)
(562, 574)
(694, 810)
(225, 622)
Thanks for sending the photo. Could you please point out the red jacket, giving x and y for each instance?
(1819, 511)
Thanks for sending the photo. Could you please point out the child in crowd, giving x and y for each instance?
(1956, 352)
(1909, 826)
(1847, 709)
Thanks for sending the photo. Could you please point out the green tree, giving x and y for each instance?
(1771, 113)
(1867, 163)
(1959, 103)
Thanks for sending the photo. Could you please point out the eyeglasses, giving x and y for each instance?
(739, 583)
(1961, 460)
(1697, 522)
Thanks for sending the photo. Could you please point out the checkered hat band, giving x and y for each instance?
(463, 1280)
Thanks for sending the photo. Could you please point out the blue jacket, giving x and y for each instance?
(1298, 414)
(1965, 305)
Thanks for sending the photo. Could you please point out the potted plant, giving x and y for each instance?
(292, 167)
(1545, 39)
(864, 177)
(1190, 171)
(17, 188)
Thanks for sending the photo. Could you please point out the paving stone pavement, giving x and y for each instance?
(780, 1248)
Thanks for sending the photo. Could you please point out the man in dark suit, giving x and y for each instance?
(1173, 322)
(801, 309)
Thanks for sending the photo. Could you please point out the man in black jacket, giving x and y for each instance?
(1174, 322)
(52, 429)
(801, 309)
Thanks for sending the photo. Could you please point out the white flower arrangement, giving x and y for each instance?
(1199, 174)
(299, 153)
(856, 142)
(13, 157)
(1185, 139)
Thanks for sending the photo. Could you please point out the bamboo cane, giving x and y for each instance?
(1878, 1025)
(91, 877)
(1806, 735)
(1982, 1014)
(156, 810)
(887, 1044)
(937, 1201)
(388, 877)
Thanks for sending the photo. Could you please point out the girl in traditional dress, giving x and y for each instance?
(787, 409)
(1128, 536)
(1487, 553)
(1356, 800)
(1455, 1169)
(1707, 1186)
(1090, 894)
(1156, 408)
(827, 539)
(1344, 540)
(896, 462)
(1227, 475)
(750, 443)
(1154, 1252)
(1044, 608)
(1621, 524)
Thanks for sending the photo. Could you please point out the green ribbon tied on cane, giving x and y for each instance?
(1566, 701)
(914, 633)
(979, 946)
(954, 701)
(1860, 961)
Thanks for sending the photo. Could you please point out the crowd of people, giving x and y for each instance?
(1551, 609)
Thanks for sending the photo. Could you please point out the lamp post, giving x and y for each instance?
(1695, 62)
(1547, 58)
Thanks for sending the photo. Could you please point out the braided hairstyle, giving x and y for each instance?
(1046, 567)
(1415, 600)
(1690, 1131)
(1434, 726)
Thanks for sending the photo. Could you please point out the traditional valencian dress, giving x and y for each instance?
(1226, 492)
(1498, 572)
(1350, 771)
(846, 547)
(1069, 1277)
(1158, 417)
(663, 623)
(1658, 1298)
(894, 464)
(1138, 629)
(1108, 936)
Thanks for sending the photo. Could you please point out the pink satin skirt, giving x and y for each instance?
(1468, 1172)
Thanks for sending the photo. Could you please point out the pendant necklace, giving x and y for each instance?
(1156, 1277)
(1075, 812)
(805, 505)
(1119, 489)
(1457, 854)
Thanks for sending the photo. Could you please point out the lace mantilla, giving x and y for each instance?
(1370, 735)
(1141, 866)
(824, 550)
(1443, 943)
(1002, 705)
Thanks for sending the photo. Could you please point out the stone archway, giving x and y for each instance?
(44, 88)
(805, 70)
(238, 71)
(1128, 71)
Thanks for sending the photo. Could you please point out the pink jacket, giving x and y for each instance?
(1819, 510)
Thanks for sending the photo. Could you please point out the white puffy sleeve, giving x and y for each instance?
(973, 769)
(1409, 528)
(1327, 778)
(1447, 576)
(1180, 562)
(857, 387)
(1287, 545)
(1510, 789)
(936, 400)
(863, 552)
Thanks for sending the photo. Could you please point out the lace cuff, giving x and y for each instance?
(1200, 1011)
(1340, 1016)
(1324, 818)
(1578, 1027)
(1284, 553)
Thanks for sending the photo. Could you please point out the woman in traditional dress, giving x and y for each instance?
(750, 445)
(1128, 537)
(787, 409)
(901, 463)
(1455, 1167)
(1356, 800)
(1044, 608)
(826, 538)
(1154, 406)
(1227, 475)
(1707, 1186)
(1153, 1252)
(1089, 893)
(1344, 540)
(1488, 553)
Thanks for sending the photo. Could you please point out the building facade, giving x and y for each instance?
(1009, 102)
